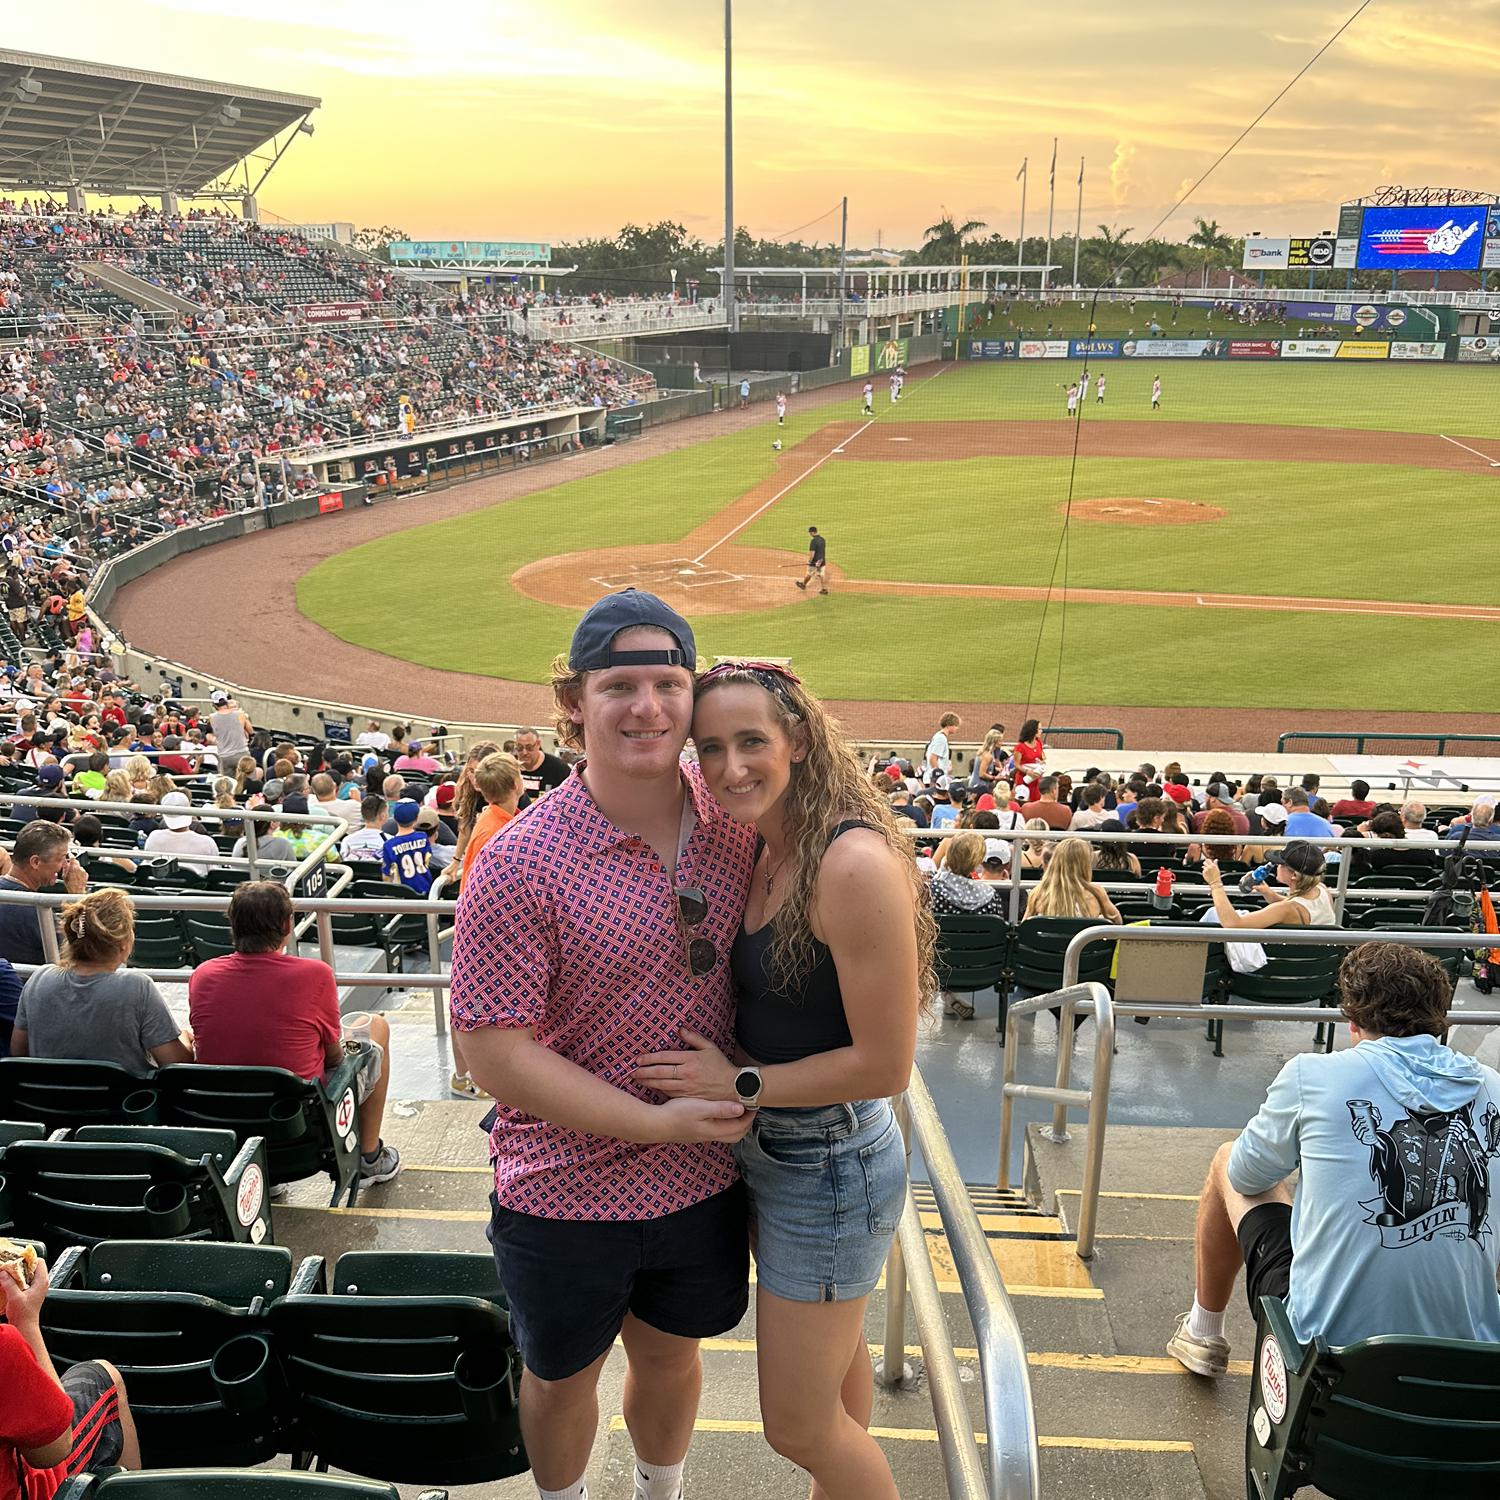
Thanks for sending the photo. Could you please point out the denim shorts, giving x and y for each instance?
(827, 1187)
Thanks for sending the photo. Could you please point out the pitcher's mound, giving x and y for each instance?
(1138, 510)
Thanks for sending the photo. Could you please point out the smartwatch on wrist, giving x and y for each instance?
(747, 1087)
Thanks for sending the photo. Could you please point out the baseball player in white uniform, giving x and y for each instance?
(1072, 400)
(1156, 393)
(869, 398)
(781, 408)
(895, 387)
(1099, 389)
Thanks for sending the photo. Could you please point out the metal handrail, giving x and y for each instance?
(1094, 999)
(1010, 1414)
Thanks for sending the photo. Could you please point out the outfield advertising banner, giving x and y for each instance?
(1429, 350)
(1264, 254)
(1309, 348)
(1479, 349)
(1044, 348)
(482, 252)
(1254, 348)
(891, 352)
(1094, 348)
(859, 360)
(992, 348)
(1345, 254)
(1311, 254)
(1171, 348)
(1431, 237)
(1364, 349)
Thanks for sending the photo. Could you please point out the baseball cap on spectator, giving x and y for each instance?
(406, 810)
(1271, 812)
(176, 821)
(894, 772)
(427, 818)
(23, 703)
(996, 852)
(294, 804)
(51, 775)
(219, 697)
(443, 794)
(592, 650)
(1220, 792)
(274, 790)
(986, 803)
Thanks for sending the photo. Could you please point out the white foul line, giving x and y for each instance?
(1494, 463)
(785, 489)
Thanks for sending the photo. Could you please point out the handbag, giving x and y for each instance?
(1244, 958)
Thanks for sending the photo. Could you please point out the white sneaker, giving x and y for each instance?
(1203, 1356)
(386, 1165)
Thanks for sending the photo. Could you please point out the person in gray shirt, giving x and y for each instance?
(88, 1006)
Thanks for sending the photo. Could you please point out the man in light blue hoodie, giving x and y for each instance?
(1392, 1228)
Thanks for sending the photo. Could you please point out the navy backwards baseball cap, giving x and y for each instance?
(591, 648)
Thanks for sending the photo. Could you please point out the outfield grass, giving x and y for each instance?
(1460, 400)
(1313, 529)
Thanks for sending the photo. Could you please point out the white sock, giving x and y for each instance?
(578, 1490)
(1203, 1324)
(658, 1481)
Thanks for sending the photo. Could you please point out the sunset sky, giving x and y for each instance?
(552, 120)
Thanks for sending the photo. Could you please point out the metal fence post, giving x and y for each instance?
(894, 1356)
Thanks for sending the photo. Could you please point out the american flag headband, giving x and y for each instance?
(770, 675)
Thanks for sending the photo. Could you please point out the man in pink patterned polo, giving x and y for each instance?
(593, 929)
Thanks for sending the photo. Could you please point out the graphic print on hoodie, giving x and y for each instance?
(1393, 1218)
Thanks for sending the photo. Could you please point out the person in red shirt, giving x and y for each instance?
(261, 1007)
(51, 1428)
(1356, 805)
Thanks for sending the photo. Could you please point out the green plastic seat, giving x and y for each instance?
(208, 934)
(310, 1126)
(973, 949)
(159, 941)
(1036, 955)
(1402, 1417)
(20, 1130)
(138, 1182)
(1293, 975)
(61, 1093)
(160, 1311)
(410, 1388)
(401, 931)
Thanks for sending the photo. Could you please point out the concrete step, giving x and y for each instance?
(1078, 1471)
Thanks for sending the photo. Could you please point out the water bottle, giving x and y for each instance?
(1258, 876)
(1161, 896)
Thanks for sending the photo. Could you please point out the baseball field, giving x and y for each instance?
(1280, 534)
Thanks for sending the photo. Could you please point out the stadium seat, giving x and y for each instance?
(20, 1130)
(229, 1484)
(61, 1093)
(401, 931)
(1036, 954)
(309, 1126)
(973, 949)
(159, 941)
(1394, 1416)
(406, 1383)
(160, 1312)
(1294, 974)
(137, 1182)
(207, 934)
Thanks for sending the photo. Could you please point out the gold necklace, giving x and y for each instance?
(771, 874)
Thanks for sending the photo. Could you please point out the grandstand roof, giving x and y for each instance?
(123, 130)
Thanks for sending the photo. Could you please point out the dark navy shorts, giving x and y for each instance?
(1266, 1243)
(570, 1282)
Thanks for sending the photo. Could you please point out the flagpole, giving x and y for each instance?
(1021, 237)
(1078, 227)
(1051, 199)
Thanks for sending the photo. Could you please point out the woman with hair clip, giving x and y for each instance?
(832, 966)
(1305, 903)
(88, 1006)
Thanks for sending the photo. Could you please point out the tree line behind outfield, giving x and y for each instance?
(640, 259)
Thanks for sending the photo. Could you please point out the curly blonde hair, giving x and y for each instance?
(828, 787)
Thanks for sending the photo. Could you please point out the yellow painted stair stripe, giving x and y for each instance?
(929, 1435)
(1149, 1197)
(1035, 1276)
(1001, 1223)
(1099, 1364)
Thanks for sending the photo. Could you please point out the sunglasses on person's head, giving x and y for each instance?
(692, 910)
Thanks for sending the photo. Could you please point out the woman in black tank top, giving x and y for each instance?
(832, 965)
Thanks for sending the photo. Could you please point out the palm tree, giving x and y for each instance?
(1208, 238)
(1111, 249)
(943, 242)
